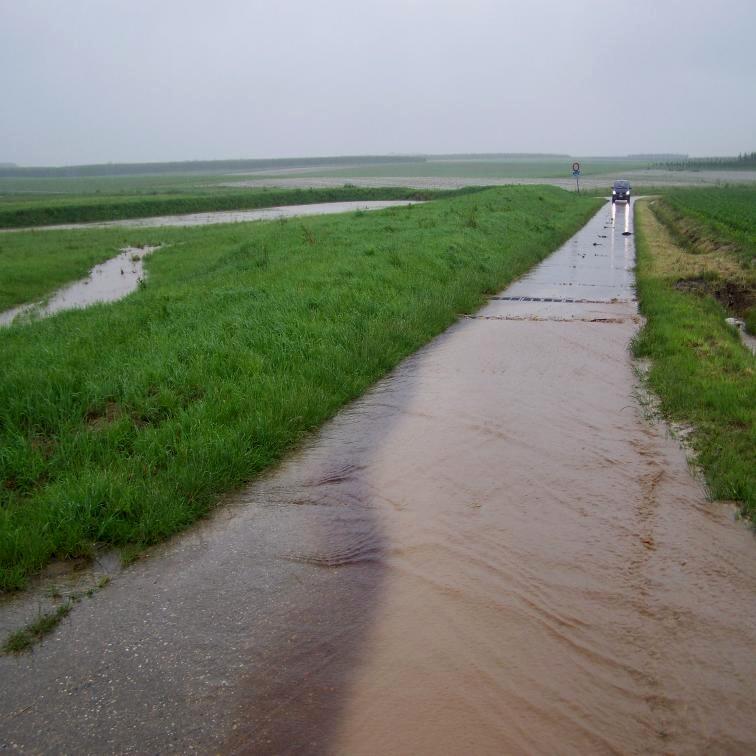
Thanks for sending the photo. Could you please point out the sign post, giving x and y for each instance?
(576, 174)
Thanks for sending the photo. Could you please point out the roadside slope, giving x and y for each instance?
(702, 373)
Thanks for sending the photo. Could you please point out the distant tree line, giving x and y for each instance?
(659, 156)
(743, 160)
(493, 155)
(199, 166)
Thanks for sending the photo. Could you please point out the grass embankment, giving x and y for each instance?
(122, 424)
(718, 225)
(51, 211)
(700, 370)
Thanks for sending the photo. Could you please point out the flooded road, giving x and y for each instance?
(228, 216)
(494, 551)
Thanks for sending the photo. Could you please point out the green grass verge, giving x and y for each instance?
(122, 424)
(701, 372)
(718, 221)
(51, 211)
(704, 218)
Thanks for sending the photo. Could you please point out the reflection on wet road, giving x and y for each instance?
(492, 552)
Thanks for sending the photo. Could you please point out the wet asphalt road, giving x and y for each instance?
(493, 551)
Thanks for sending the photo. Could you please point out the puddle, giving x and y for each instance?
(493, 551)
(749, 342)
(107, 282)
(231, 216)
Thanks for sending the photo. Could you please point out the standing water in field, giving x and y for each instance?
(119, 276)
(493, 551)
(232, 216)
(107, 282)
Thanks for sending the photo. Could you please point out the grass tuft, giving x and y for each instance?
(22, 640)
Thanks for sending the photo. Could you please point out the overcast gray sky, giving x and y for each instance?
(86, 81)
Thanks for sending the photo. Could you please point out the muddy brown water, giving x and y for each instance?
(494, 551)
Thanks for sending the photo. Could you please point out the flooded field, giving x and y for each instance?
(229, 216)
(649, 177)
(119, 276)
(494, 551)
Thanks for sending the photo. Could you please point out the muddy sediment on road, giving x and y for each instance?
(493, 551)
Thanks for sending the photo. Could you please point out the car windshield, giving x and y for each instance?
(621, 184)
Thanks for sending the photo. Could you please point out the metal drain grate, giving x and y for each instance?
(563, 300)
(553, 319)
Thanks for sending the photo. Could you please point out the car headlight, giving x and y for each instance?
(614, 191)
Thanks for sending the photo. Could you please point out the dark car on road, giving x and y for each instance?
(621, 191)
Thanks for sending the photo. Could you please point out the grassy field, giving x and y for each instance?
(702, 373)
(718, 224)
(13, 188)
(122, 424)
(708, 218)
(45, 211)
(482, 169)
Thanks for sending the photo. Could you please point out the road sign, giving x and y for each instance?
(576, 174)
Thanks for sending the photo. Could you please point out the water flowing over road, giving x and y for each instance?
(494, 551)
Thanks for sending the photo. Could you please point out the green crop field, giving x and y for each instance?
(727, 214)
(14, 188)
(123, 423)
(718, 221)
